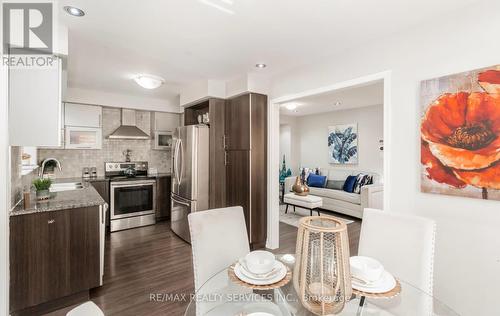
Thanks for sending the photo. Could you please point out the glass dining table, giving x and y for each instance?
(220, 296)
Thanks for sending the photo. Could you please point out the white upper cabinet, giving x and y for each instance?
(165, 122)
(35, 109)
(82, 115)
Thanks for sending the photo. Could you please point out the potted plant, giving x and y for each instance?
(42, 188)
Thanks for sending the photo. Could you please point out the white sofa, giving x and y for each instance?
(339, 201)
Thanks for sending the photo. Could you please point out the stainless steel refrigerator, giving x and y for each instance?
(190, 183)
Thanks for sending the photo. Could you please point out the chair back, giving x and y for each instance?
(404, 244)
(218, 239)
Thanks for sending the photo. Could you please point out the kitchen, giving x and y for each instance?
(108, 165)
(96, 174)
(90, 159)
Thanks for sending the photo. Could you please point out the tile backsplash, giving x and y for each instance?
(74, 160)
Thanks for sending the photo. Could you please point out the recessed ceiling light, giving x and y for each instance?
(149, 81)
(260, 65)
(291, 106)
(74, 11)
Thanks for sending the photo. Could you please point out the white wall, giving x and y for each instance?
(314, 132)
(88, 96)
(467, 262)
(204, 89)
(201, 90)
(293, 160)
(285, 144)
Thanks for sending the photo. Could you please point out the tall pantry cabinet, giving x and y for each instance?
(238, 157)
(245, 142)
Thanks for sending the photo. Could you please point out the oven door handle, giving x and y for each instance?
(144, 184)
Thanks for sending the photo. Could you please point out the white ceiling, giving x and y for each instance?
(349, 98)
(186, 40)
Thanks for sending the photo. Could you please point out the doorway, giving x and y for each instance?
(279, 129)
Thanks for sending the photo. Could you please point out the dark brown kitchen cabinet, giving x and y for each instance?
(163, 189)
(237, 123)
(246, 161)
(102, 187)
(238, 180)
(217, 171)
(53, 255)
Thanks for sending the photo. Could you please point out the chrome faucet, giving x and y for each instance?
(42, 169)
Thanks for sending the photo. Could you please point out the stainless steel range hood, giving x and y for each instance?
(128, 129)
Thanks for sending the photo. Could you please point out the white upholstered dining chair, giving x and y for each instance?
(218, 239)
(403, 243)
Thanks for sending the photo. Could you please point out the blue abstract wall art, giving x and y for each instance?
(343, 144)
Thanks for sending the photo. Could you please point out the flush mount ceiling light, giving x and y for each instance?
(260, 65)
(291, 106)
(219, 5)
(74, 11)
(149, 81)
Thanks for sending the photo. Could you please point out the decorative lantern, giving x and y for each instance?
(321, 276)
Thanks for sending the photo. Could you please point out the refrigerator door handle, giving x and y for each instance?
(181, 149)
(181, 202)
(176, 159)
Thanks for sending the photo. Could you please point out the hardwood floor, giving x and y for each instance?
(288, 235)
(152, 260)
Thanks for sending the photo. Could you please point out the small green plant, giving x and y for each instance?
(42, 184)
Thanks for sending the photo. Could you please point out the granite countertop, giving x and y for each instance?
(85, 197)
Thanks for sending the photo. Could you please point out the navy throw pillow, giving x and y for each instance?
(349, 184)
(316, 181)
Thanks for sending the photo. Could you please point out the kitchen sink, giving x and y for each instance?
(65, 186)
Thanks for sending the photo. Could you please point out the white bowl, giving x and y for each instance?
(260, 261)
(366, 268)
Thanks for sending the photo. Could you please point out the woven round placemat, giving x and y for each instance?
(389, 294)
(235, 279)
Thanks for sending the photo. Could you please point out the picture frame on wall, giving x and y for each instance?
(343, 144)
(460, 134)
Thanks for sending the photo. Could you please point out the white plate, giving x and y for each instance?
(384, 284)
(367, 285)
(275, 270)
(239, 272)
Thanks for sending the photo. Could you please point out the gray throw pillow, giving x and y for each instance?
(335, 184)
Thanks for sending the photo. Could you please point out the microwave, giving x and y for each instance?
(163, 140)
(83, 138)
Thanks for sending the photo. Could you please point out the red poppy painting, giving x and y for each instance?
(460, 134)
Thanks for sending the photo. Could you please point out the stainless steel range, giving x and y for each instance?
(132, 195)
